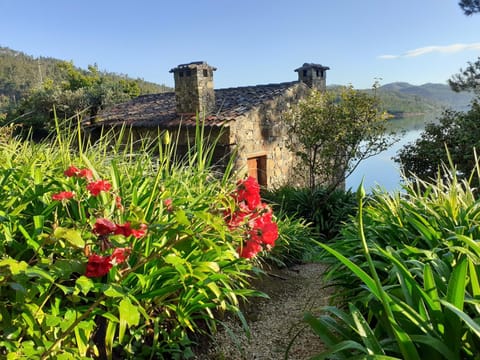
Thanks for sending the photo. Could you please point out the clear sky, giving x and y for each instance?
(250, 41)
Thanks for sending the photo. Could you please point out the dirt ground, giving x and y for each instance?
(274, 322)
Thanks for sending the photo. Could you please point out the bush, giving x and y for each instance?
(458, 132)
(325, 211)
(107, 253)
(412, 260)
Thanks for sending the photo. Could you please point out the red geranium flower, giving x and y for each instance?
(71, 171)
(126, 230)
(86, 173)
(236, 219)
(98, 266)
(63, 195)
(104, 227)
(119, 255)
(265, 234)
(96, 187)
(248, 191)
(168, 203)
(250, 249)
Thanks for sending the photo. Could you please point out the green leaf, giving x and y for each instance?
(113, 291)
(70, 235)
(363, 329)
(436, 344)
(182, 218)
(40, 273)
(455, 296)
(14, 266)
(84, 284)
(129, 315)
(457, 284)
(367, 279)
(109, 337)
(472, 324)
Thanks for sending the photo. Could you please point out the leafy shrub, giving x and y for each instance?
(459, 132)
(412, 260)
(326, 211)
(295, 243)
(107, 253)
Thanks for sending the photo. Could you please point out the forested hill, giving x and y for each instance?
(403, 98)
(20, 72)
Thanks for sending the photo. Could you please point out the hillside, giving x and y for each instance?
(20, 72)
(401, 97)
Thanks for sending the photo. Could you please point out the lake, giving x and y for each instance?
(381, 170)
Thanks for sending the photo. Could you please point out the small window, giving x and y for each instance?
(205, 73)
(189, 72)
(318, 73)
(180, 74)
(304, 73)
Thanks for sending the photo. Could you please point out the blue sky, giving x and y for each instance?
(250, 41)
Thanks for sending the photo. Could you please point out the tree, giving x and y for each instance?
(332, 132)
(80, 93)
(468, 79)
(470, 7)
(459, 132)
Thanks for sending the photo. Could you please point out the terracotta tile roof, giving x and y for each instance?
(159, 109)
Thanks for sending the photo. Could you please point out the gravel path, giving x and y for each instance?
(274, 322)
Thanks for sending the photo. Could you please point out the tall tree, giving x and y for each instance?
(333, 132)
(469, 78)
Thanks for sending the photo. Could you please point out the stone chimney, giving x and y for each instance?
(194, 88)
(314, 75)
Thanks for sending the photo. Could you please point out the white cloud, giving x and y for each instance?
(446, 49)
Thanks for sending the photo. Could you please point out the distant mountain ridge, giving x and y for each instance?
(427, 96)
(403, 99)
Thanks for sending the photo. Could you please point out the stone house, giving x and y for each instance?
(249, 118)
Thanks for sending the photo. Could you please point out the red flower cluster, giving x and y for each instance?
(94, 187)
(104, 227)
(98, 266)
(81, 173)
(63, 195)
(254, 217)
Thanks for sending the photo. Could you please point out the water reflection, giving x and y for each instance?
(381, 170)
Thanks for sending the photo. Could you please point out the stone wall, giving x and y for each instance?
(262, 132)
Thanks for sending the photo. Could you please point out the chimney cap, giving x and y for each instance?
(193, 65)
(312, 66)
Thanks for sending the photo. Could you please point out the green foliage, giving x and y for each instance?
(295, 244)
(467, 79)
(173, 281)
(459, 132)
(410, 262)
(31, 87)
(470, 7)
(81, 92)
(332, 133)
(323, 210)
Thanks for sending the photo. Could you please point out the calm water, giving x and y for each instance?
(381, 170)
